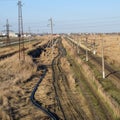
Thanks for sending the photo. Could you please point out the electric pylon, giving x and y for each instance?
(51, 25)
(20, 31)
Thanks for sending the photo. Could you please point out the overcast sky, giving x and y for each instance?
(68, 15)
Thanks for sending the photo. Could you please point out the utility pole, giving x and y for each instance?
(51, 26)
(29, 33)
(94, 44)
(29, 30)
(103, 63)
(94, 50)
(20, 30)
(78, 44)
(86, 48)
(7, 32)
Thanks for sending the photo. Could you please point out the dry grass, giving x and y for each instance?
(17, 79)
(14, 85)
(7, 50)
(94, 83)
(66, 67)
(111, 47)
(12, 73)
(13, 48)
(12, 68)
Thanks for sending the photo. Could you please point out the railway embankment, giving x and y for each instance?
(104, 89)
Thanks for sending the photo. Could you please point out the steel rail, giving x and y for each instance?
(15, 43)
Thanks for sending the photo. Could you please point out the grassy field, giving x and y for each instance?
(111, 46)
(83, 91)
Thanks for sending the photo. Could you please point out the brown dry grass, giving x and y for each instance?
(96, 85)
(71, 80)
(14, 87)
(13, 68)
(13, 72)
(13, 48)
(7, 50)
(111, 47)
(66, 67)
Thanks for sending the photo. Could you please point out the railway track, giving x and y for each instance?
(14, 43)
(14, 52)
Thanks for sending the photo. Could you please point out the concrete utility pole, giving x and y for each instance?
(103, 63)
(78, 44)
(20, 30)
(94, 49)
(86, 49)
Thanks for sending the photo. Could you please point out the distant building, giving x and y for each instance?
(12, 34)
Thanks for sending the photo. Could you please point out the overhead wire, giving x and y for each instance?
(83, 23)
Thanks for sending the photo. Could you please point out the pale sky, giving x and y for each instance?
(68, 15)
